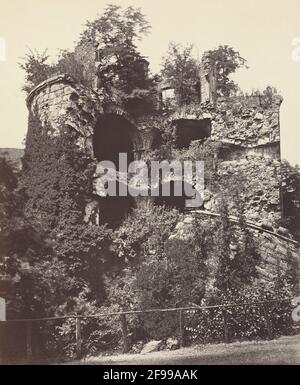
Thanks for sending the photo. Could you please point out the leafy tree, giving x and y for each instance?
(181, 71)
(225, 60)
(243, 321)
(18, 237)
(145, 230)
(36, 68)
(117, 27)
(72, 64)
(53, 175)
(85, 250)
(178, 276)
(113, 38)
(22, 243)
(232, 264)
(205, 151)
(162, 272)
(114, 35)
(222, 271)
(38, 281)
(56, 182)
(8, 184)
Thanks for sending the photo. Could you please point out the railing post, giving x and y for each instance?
(28, 339)
(181, 329)
(268, 323)
(78, 338)
(126, 346)
(226, 331)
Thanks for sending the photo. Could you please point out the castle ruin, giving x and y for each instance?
(247, 129)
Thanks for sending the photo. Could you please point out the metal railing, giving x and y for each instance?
(123, 320)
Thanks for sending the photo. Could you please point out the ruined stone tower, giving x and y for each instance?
(247, 129)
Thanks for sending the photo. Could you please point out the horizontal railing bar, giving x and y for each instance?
(132, 312)
(248, 223)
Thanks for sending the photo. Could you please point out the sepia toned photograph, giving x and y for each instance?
(149, 185)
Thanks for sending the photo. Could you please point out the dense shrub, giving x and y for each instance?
(251, 320)
(61, 265)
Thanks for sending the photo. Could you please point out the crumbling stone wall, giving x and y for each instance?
(247, 127)
(242, 121)
(61, 101)
(276, 253)
(260, 187)
(248, 131)
(208, 84)
(276, 248)
(247, 120)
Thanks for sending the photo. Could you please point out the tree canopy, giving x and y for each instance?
(181, 71)
(111, 40)
(226, 61)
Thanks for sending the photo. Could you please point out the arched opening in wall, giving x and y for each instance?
(188, 130)
(112, 136)
(173, 201)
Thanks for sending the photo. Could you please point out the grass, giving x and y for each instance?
(284, 350)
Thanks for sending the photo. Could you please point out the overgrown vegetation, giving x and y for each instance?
(60, 265)
(105, 58)
(121, 72)
(88, 269)
(181, 71)
(225, 60)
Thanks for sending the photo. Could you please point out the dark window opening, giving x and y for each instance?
(229, 151)
(112, 136)
(157, 141)
(113, 210)
(188, 130)
(172, 201)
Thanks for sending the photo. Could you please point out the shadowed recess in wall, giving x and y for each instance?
(188, 130)
(173, 201)
(114, 209)
(112, 136)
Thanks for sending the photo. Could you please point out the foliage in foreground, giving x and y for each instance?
(158, 272)
(59, 265)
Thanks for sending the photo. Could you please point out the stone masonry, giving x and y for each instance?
(247, 128)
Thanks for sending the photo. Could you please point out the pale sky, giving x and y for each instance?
(261, 30)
